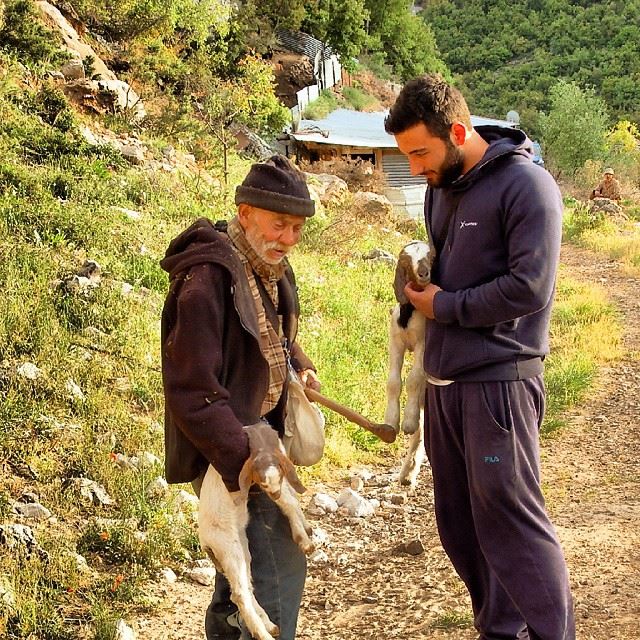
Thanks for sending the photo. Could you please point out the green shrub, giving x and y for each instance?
(357, 98)
(580, 219)
(115, 543)
(24, 36)
(322, 106)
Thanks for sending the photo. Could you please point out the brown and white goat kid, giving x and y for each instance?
(223, 518)
(406, 333)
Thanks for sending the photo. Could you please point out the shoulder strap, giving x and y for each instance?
(267, 303)
(440, 239)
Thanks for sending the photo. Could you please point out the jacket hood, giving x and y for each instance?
(503, 141)
(197, 244)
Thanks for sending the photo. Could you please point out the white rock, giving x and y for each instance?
(73, 70)
(80, 562)
(202, 575)
(148, 459)
(124, 631)
(355, 504)
(320, 538)
(18, 536)
(202, 562)
(186, 498)
(168, 575)
(7, 594)
(124, 462)
(133, 154)
(130, 213)
(325, 502)
(319, 557)
(32, 511)
(89, 136)
(92, 492)
(71, 39)
(74, 391)
(158, 487)
(126, 99)
(365, 474)
(29, 371)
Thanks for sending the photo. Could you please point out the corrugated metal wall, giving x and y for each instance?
(396, 169)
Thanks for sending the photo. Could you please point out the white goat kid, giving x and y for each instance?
(223, 518)
(406, 333)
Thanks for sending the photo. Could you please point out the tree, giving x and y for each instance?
(407, 42)
(339, 23)
(411, 48)
(623, 149)
(575, 128)
(258, 20)
(247, 99)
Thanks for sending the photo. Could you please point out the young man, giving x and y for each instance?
(495, 219)
(228, 326)
(608, 188)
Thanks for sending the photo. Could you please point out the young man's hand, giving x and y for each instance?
(422, 299)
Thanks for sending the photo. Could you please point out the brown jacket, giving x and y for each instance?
(214, 374)
(609, 190)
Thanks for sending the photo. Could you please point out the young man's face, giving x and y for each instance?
(439, 161)
(608, 177)
(272, 235)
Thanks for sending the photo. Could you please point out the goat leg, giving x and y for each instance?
(385, 432)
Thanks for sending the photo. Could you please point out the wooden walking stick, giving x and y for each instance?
(385, 432)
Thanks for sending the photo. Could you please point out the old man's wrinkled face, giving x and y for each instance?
(271, 235)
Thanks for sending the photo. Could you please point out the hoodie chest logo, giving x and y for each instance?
(464, 224)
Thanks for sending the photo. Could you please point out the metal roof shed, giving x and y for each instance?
(362, 135)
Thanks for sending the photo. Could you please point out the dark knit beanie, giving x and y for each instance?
(276, 185)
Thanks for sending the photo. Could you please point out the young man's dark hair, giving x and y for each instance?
(431, 100)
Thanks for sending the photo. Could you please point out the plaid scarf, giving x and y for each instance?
(270, 339)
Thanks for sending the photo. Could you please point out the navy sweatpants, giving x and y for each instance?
(482, 443)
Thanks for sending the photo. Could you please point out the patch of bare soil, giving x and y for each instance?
(591, 472)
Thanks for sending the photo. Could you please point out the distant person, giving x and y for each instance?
(608, 188)
(495, 219)
(229, 325)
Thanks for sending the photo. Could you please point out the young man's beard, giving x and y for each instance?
(450, 169)
(261, 246)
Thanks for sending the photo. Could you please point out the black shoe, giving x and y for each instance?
(221, 622)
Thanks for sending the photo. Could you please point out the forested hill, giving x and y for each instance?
(506, 54)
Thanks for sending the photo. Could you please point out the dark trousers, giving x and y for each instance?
(278, 568)
(482, 443)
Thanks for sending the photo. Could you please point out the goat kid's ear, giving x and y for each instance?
(290, 474)
(399, 283)
(246, 476)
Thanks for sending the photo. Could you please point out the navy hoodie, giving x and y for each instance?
(497, 267)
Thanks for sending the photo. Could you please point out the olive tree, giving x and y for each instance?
(575, 128)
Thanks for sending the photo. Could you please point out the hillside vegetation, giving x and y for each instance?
(507, 55)
(86, 520)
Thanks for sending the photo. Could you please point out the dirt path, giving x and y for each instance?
(591, 473)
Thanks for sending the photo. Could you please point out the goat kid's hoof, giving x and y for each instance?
(409, 482)
(306, 545)
(271, 631)
(409, 428)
